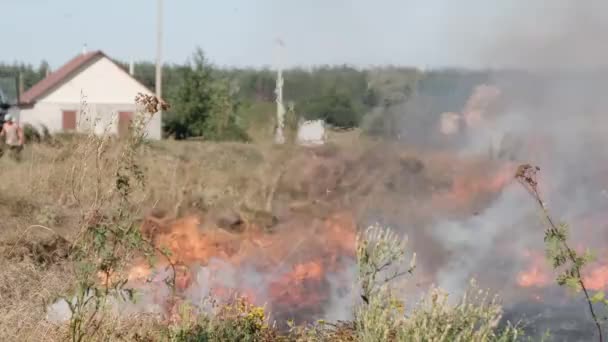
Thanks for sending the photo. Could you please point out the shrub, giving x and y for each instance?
(108, 236)
(381, 256)
(335, 108)
(31, 134)
(474, 318)
(238, 321)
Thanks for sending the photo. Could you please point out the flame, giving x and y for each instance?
(293, 263)
(473, 184)
(464, 188)
(536, 275)
(597, 279)
(292, 290)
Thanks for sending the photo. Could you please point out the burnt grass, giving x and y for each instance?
(241, 182)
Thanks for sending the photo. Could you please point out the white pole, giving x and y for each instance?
(159, 37)
(159, 69)
(131, 67)
(279, 137)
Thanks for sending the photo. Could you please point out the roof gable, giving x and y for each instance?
(72, 69)
(55, 78)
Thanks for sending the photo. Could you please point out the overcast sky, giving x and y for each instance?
(423, 33)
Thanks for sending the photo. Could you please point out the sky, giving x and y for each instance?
(421, 33)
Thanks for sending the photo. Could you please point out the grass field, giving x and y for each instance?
(44, 197)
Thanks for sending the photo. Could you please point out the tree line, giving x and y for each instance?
(223, 103)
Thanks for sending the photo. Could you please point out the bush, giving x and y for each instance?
(31, 134)
(474, 318)
(380, 255)
(238, 321)
(336, 109)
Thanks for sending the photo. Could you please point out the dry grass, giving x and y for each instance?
(24, 289)
(38, 203)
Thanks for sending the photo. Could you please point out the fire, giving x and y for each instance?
(537, 274)
(464, 188)
(298, 286)
(597, 279)
(473, 184)
(292, 264)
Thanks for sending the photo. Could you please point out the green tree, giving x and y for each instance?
(223, 122)
(371, 98)
(337, 109)
(193, 100)
(43, 69)
(204, 106)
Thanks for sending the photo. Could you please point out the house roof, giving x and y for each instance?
(55, 78)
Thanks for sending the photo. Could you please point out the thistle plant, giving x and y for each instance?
(380, 257)
(564, 259)
(109, 236)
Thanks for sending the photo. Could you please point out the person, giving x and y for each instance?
(13, 135)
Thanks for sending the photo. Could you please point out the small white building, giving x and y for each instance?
(311, 133)
(93, 78)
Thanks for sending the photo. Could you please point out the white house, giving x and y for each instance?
(108, 90)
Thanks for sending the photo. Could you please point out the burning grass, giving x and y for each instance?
(276, 226)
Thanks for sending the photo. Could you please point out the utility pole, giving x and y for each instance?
(159, 37)
(279, 137)
(131, 67)
(21, 87)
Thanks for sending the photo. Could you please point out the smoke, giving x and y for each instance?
(553, 119)
(472, 241)
(550, 113)
(342, 298)
(550, 34)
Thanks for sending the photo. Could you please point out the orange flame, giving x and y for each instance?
(471, 185)
(597, 279)
(309, 252)
(538, 274)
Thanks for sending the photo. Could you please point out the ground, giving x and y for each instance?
(269, 187)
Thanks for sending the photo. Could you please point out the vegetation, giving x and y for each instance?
(87, 195)
(204, 106)
(220, 103)
(335, 108)
(562, 256)
(64, 199)
(108, 235)
(381, 317)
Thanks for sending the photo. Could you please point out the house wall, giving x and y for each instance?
(102, 118)
(106, 89)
